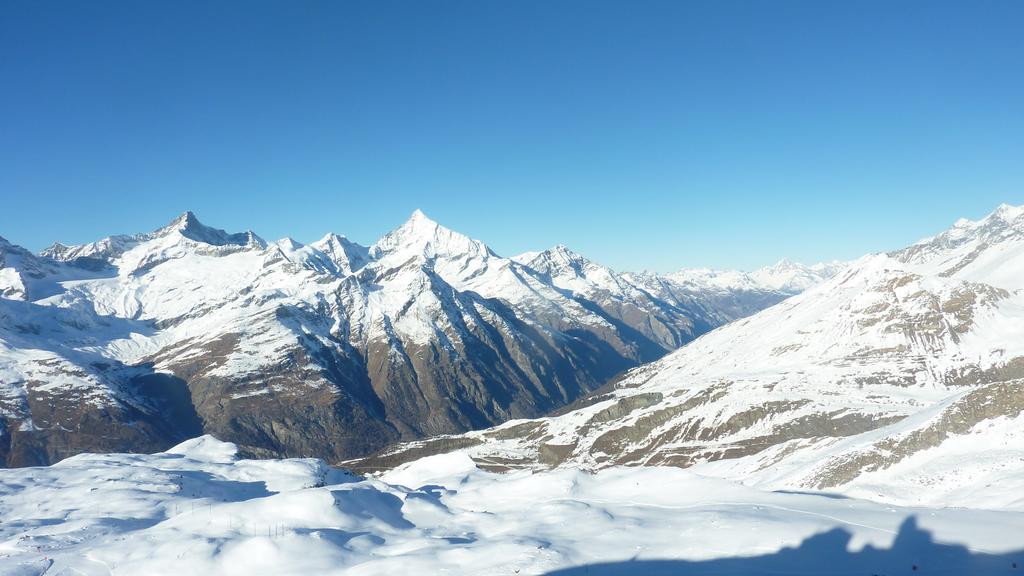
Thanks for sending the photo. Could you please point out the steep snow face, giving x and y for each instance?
(882, 378)
(425, 332)
(200, 509)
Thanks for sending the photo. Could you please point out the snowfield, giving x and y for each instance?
(198, 509)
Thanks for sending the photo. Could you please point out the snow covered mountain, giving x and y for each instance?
(330, 349)
(786, 276)
(902, 371)
(793, 278)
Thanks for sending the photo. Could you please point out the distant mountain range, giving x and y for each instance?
(900, 377)
(332, 349)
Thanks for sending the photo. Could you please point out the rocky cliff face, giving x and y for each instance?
(905, 368)
(330, 349)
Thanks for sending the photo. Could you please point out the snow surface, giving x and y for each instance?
(196, 509)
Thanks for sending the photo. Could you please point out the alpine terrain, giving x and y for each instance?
(901, 377)
(869, 425)
(332, 349)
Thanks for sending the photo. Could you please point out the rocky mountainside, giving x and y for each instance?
(904, 370)
(331, 349)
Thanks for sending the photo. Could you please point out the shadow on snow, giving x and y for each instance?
(913, 552)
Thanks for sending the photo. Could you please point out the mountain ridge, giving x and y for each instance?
(904, 370)
(330, 349)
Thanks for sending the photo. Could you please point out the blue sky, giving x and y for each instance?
(646, 135)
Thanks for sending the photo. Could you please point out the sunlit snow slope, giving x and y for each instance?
(196, 509)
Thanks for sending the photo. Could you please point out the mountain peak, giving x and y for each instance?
(791, 277)
(970, 247)
(346, 254)
(1007, 212)
(187, 220)
(559, 259)
(784, 264)
(332, 238)
(189, 226)
(421, 235)
(1002, 215)
(565, 254)
(418, 215)
(419, 224)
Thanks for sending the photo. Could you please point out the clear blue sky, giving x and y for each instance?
(646, 135)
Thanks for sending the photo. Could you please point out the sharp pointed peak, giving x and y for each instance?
(55, 250)
(418, 226)
(423, 235)
(189, 226)
(186, 218)
(184, 221)
(1008, 212)
(418, 220)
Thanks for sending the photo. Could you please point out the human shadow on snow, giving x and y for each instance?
(913, 552)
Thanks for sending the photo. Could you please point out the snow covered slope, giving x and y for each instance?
(330, 349)
(198, 509)
(904, 371)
